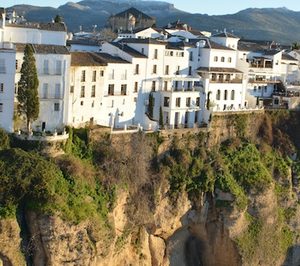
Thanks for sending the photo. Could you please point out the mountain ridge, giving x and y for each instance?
(278, 24)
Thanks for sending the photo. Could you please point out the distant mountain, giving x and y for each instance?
(279, 24)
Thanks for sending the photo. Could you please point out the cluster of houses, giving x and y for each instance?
(169, 77)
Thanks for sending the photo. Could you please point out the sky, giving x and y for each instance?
(211, 7)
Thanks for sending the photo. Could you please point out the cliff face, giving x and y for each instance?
(165, 219)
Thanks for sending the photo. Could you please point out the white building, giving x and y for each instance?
(101, 90)
(7, 85)
(48, 41)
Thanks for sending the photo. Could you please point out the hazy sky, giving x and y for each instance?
(211, 7)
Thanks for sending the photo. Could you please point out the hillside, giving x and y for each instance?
(279, 24)
(180, 198)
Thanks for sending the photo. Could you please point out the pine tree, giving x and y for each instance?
(58, 19)
(28, 98)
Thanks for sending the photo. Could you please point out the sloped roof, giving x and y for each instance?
(111, 59)
(137, 13)
(213, 45)
(86, 59)
(128, 50)
(43, 48)
(146, 41)
(41, 26)
(286, 56)
(225, 35)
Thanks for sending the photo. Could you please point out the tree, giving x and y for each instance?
(58, 19)
(151, 105)
(161, 118)
(28, 97)
(295, 46)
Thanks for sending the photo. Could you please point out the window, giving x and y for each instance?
(153, 88)
(2, 66)
(266, 88)
(232, 95)
(218, 96)
(1, 107)
(188, 101)
(111, 88)
(1, 87)
(190, 70)
(123, 89)
(166, 101)
(46, 66)
(17, 64)
(83, 76)
(222, 59)
(167, 69)
(254, 89)
(82, 92)
(229, 59)
(154, 69)
(178, 102)
(58, 70)
(166, 85)
(56, 107)
(155, 53)
(94, 77)
(136, 86)
(178, 70)
(81, 103)
(137, 69)
(213, 77)
(135, 99)
(72, 89)
(176, 85)
(189, 85)
(225, 95)
(57, 91)
(101, 73)
(45, 91)
(215, 59)
(198, 101)
(93, 104)
(191, 56)
(93, 92)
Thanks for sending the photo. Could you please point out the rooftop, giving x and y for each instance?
(86, 59)
(44, 48)
(225, 35)
(41, 26)
(146, 41)
(137, 13)
(124, 47)
(286, 56)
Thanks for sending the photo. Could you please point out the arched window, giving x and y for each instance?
(216, 59)
(232, 95)
(222, 59)
(229, 59)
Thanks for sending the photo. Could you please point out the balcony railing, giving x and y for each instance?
(236, 80)
(172, 89)
(260, 80)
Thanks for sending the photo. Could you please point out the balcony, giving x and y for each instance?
(232, 81)
(263, 80)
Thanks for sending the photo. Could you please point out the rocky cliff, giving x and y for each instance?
(224, 196)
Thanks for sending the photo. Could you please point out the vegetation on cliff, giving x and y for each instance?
(256, 159)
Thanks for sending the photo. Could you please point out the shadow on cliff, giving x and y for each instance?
(192, 255)
(293, 256)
